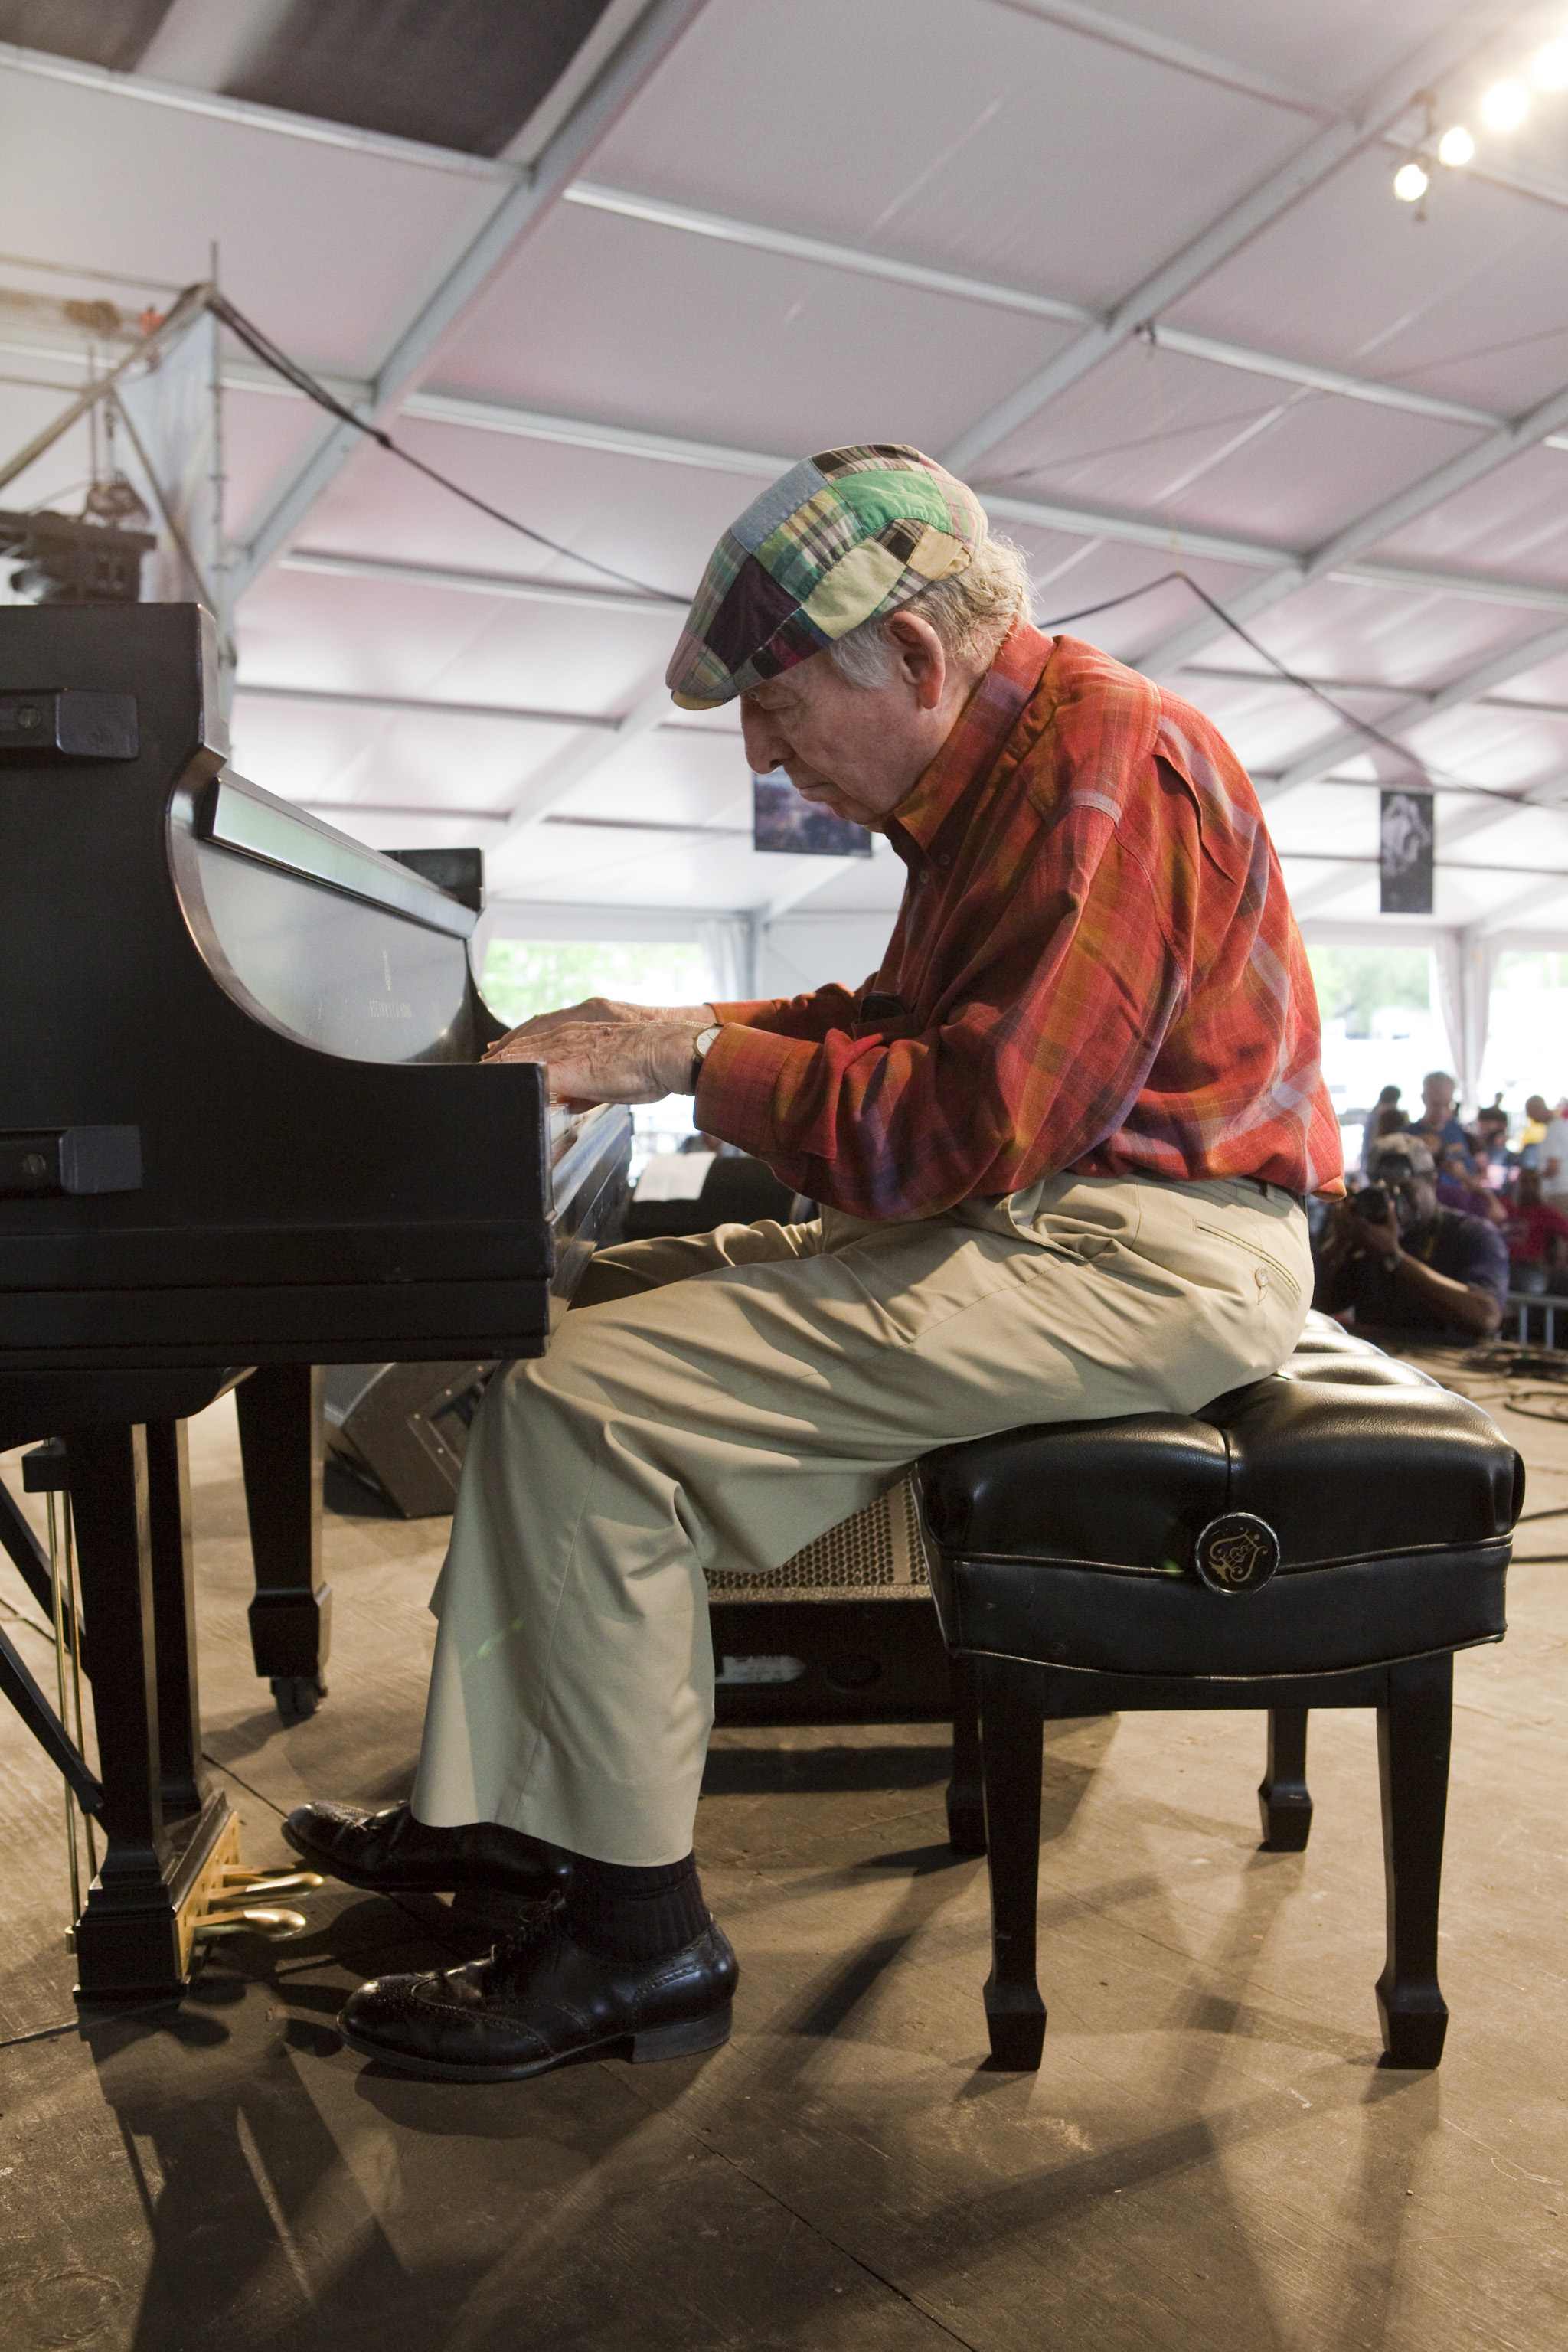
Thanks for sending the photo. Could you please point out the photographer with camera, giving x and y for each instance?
(1393, 1257)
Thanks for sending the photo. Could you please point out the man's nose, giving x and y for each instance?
(766, 745)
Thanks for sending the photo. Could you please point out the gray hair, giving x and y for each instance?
(972, 612)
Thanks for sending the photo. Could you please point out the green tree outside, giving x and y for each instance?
(1353, 983)
(524, 977)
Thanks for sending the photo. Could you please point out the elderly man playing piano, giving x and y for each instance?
(1062, 1141)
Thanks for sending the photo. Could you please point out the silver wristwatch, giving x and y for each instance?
(700, 1046)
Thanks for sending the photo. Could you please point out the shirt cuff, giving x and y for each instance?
(736, 1084)
(744, 1009)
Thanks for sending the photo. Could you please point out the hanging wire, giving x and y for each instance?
(282, 365)
(1428, 772)
(303, 381)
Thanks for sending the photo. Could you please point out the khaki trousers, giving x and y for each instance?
(718, 1403)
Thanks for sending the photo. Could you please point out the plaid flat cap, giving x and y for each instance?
(840, 539)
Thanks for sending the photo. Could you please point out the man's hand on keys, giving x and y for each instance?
(602, 1051)
(599, 1009)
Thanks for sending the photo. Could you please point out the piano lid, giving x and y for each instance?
(316, 935)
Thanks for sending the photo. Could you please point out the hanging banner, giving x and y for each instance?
(1405, 842)
(165, 441)
(782, 820)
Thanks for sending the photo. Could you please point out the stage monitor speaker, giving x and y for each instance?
(845, 1632)
(400, 1430)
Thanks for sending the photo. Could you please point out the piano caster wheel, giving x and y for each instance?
(297, 1695)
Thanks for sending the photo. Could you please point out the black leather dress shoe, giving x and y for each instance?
(539, 2001)
(391, 1853)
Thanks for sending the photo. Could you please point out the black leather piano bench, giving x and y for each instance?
(1326, 1538)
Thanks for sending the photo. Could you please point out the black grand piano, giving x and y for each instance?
(243, 1132)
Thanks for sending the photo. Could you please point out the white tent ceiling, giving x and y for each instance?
(1141, 276)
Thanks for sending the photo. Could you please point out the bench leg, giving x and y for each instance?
(1010, 1740)
(965, 1797)
(1283, 1799)
(1414, 1734)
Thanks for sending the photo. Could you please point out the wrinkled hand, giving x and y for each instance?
(601, 1010)
(608, 1061)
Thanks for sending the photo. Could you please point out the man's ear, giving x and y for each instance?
(922, 655)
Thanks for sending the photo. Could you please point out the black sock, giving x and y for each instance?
(624, 1913)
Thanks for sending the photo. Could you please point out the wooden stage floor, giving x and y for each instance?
(1210, 2156)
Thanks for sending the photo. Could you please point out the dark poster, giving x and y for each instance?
(782, 820)
(1404, 853)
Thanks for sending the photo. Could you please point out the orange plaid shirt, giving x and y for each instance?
(1094, 969)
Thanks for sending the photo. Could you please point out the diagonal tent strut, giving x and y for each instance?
(519, 212)
(1366, 530)
(1455, 41)
(1514, 661)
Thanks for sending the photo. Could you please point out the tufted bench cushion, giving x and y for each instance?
(1074, 1543)
(1327, 1537)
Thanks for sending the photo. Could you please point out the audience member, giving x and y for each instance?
(1393, 1257)
(1387, 1100)
(1489, 1142)
(1438, 1123)
(1532, 1134)
(1537, 1238)
(1554, 1159)
(1470, 1194)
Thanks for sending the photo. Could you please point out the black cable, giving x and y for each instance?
(1086, 611)
(268, 353)
(1430, 774)
(1292, 677)
(303, 381)
(1558, 1410)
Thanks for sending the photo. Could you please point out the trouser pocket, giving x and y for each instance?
(1264, 1262)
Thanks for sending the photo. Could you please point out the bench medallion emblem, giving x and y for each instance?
(1236, 1553)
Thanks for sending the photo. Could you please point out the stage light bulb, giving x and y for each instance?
(1505, 105)
(1456, 146)
(1549, 66)
(1410, 183)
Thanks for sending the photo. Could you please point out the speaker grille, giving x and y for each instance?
(874, 1552)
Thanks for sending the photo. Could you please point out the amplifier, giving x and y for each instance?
(401, 1429)
(845, 1632)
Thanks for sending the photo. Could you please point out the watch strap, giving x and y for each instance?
(700, 1045)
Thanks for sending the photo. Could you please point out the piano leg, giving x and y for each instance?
(133, 1941)
(279, 1409)
(183, 1777)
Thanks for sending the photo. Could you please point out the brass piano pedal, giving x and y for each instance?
(268, 1882)
(277, 1927)
(240, 1902)
(229, 1899)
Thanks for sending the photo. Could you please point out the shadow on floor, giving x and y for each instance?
(756, 1771)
